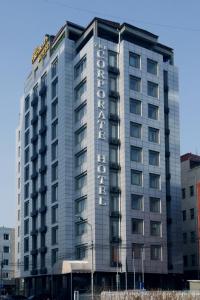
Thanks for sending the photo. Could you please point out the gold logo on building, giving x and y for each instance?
(41, 51)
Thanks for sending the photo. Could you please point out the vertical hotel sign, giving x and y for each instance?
(102, 158)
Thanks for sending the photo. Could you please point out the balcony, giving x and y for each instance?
(43, 229)
(34, 195)
(115, 214)
(43, 209)
(43, 169)
(115, 166)
(43, 90)
(114, 94)
(43, 189)
(34, 101)
(43, 271)
(34, 156)
(43, 130)
(116, 239)
(114, 141)
(34, 120)
(34, 138)
(34, 232)
(34, 252)
(34, 175)
(34, 213)
(43, 150)
(115, 189)
(113, 70)
(43, 250)
(34, 272)
(114, 117)
(43, 110)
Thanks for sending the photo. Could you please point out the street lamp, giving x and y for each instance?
(92, 269)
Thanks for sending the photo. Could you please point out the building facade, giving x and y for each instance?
(7, 258)
(190, 183)
(98, 147)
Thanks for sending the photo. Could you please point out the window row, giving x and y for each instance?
(136, 154)
(137, 179)
(137, 203)
(138, 251)
(135, 61)
(136, 108)
(136, 132)
(191, 214)
(189, 237)
(191, 191)
(138, 227)
(135, 84)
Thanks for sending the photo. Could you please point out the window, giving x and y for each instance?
(113, 106)
(155, 205)
(185, 261)
(115, 256)
(135, 130)
(80, 158)
(27, 103)
(136, 107)
(44, 79)
(192, 237)
(134, 60)
(153, 112)
(137, 202)
(54, 256)
(153, 135)
(26, 226)
(155, 228)
(80, 112)
(80, 90)
(54, 150)
(54, 235)
(54, 88)
(54, 130)
(26, 244)
(137, 226)
(114, 202)
(112, 59)
(5, 262)
(54, 68)
(155, 252)
(154, 158)
(26, 155)
(6, 237)
(54, 193)
(152, 66)
(26, 138)
(54, 109)
(152, 89)
(54, 214)
(113, 83)
(81, 181)
(193, 260)
(81, 252)
(26, 263)
(114, 178)
(137, 251)
(184, 215)
(114, 130)
(135, 83)
(154, 181)
(192, 213)
(81, 228)
(6, 249)
(136, 154)
(26, 173)
(27, 120)
(26, 209)
(114, 224)
(80, 205)
(80, 135)
(80, 67)
(114, 155)
(136, 177)
(184, 237)
(191, 190)
(54, 172)
(183, 193)
(26, 190)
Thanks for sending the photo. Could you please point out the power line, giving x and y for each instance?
(103, 14)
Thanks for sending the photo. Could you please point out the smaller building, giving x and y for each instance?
(190, 182)
(7, 258)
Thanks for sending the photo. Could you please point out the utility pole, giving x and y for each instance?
(133, 270)
(143, 268)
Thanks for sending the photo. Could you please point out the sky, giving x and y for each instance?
(23, 24)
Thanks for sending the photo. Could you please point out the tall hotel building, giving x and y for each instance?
(98, 148)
